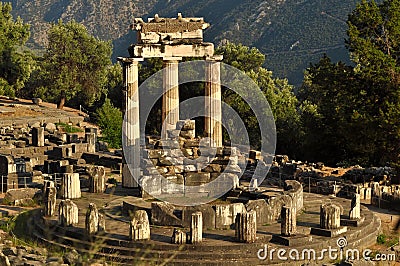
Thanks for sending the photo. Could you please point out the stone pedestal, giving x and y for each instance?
(97, 179)
(288, 221)
(196, 228)
(355, 213)
(170, 100)
(38, 136)
(90, 139)
(50, 199)
(329, 221)
(70, 186)
(139, 226)
(131, 124)
(246, 227)
(92, 220)
(178, 237)
(213, 117)
(67, 213)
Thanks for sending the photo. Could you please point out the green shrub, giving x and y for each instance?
(381, 239)
(109, 119)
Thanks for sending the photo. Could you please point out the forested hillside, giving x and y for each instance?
(292, 33)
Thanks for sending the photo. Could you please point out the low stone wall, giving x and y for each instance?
(222, 216)
(269, 210)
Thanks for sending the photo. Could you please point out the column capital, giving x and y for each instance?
(215, 58)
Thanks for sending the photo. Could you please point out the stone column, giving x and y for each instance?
(38, 136)
(170, 100)
(288, 221)
(139, 226)
(70, 186)
(196, 228)
(368, 192)
(246, 227)
(92, 220)
(355, 207)
(97, 179)
(90, 139)
(329, 216)
(253, 186)
(213, 115)
(50, 199)
(46, 184)
(131, 125)
(67, 213)
(178, 237)
(102, 223)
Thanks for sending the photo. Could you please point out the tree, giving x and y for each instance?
(114, 86)
(15, 61)
(109, 120)
(75, 63)
(334, 129)
(277, 91)
(374, 44)
(351, 113)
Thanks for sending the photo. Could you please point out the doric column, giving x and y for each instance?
(288, 221)
(354, 213)
(329, 216)
(170, 100)
(213, 126)
(131, 126)
(196, 228)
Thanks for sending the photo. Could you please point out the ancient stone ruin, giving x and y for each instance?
(298, 204)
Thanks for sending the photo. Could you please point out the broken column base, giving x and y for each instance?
(291, 241)
(354, 223)
(328, 232)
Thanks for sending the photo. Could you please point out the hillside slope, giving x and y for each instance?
(292, 33)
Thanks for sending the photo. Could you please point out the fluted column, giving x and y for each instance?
(170, 100)
(213, 126)
(131, 125)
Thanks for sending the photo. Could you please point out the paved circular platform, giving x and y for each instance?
(218, 248)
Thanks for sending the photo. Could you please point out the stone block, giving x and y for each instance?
(208, 215)
(38, 136)
(355, 208)
(70, 186)
(50, 201)
(92, 220)
(97, 177)
(67, 213)
(328, 232)
(246, 227)
(196, 228)
(292, 241)
(178, 237)
(329, 216)
(196, 179)
(288, 221)
(18, 194)
(162, 213)
(151, 185)
(186, 125)
(139, 226)
(225, 215)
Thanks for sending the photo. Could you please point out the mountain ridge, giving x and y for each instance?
(292, 33)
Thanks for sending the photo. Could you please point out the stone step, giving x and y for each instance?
(122, 260)
(203, 258)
